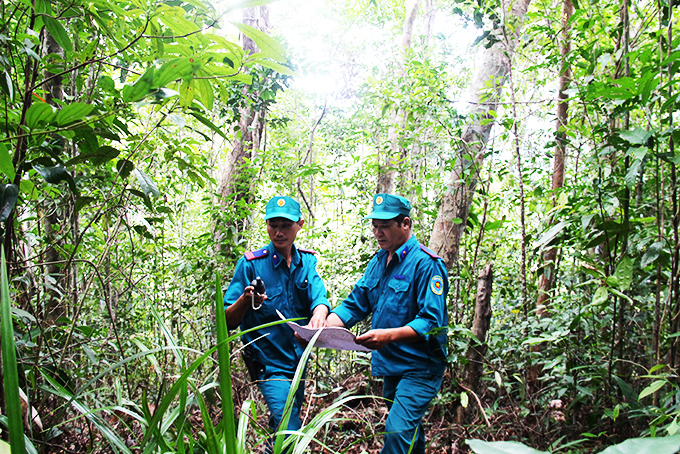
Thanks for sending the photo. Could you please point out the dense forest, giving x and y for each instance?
(535, 140)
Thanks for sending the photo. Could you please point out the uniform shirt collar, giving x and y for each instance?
(276, 258)
(403, 250)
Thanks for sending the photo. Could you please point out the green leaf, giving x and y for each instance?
(501, 447)
(464, 399)
(224, 363)
(660, 445)
(637, 136)
(39, 113)
(56, 175)
(651, 389)
(9, 194)
(83, 202)
(148, 186)
(6, 165)
(7, 86)
(178, 68)
(103, 154)
(141, 87)
(124, 168)
(206, 93)
(186, 93)
(551, 234)
(651, 254)
(208, 123)
(73, 112)
(268, 45)
(9, 363)
(624, 273)
(601, 295)
(281, 69)
(107, 84)
(58, 32)
(633, 171)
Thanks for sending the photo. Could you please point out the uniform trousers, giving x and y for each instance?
(408, 397)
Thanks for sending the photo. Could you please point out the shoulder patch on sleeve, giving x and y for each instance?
(258, 254)
(429, 252)
(308, 251)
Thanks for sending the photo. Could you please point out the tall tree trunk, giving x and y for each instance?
(547, 278)
(235, 180)
(396, 153)
(485, 92)
(54, 217)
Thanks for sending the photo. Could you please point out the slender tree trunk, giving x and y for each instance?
(485, 94)
(547, 278)
(235, 179)
(397, 154)
(476, 351)
(54, 217)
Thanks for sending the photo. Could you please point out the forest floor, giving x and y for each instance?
(358, 427)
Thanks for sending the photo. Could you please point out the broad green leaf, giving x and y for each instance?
(178, 68)
(206, 93)
(103, 154)
(268, 45)
(659, 445)
(83, 202)
(551, 234)
(186, 93)
(275, 66)
(55, 175)
(464, 399)
(637, 136)
(651, 254)
(6, 165)
(148, 186)
(651, 389)
(624, 273)
(224, 363)
(4, 447)
(58, 32)
(39, 113)
(601, 295)
(501, 447)
(632, 175)
(73, 112)
(124, 167)
(141, 87)
(107, 84)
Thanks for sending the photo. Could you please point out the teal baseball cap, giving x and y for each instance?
(283, 207)
(388, 206)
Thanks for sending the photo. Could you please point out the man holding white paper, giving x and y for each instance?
(405, 287)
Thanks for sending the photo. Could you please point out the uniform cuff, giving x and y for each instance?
(344, 314)
(421, 327)
(319, 303)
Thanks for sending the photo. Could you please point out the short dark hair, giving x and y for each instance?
(400, 219)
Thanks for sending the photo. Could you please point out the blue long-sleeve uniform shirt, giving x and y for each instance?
(411, 291)
(295, 292)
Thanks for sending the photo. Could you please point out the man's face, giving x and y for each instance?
(283, 232)
(390, 234)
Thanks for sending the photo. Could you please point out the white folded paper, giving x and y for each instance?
(333, 337)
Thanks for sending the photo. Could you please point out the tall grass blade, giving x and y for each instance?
(247, 408)
(288, 409)
(9, 364)
(211, 441)
(168, 336)
(101, 425)
(30, 449)
(224, 363)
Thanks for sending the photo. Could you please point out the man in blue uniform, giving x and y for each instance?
(293, 287)
(404, 287)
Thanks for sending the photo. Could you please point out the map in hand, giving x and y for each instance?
(331, 336)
